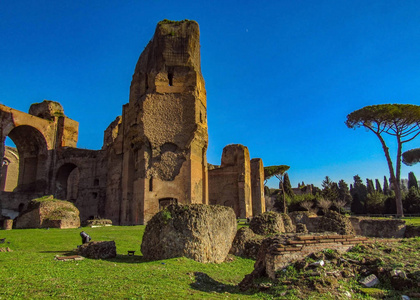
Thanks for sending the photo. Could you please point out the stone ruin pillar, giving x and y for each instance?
(257, 186)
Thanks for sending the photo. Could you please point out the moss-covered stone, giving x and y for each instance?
(49, 212)
(197, 231)
(246, 243)
(267, 223)
(335, 222)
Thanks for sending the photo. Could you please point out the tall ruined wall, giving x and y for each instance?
(257, 186)
(160, 147)
(230, 185)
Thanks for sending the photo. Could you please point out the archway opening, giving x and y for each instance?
(24, 164)
(67, 182)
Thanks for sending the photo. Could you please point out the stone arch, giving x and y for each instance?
(67, 182)
(32, 150)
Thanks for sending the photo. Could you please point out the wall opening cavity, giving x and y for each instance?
(151, 184)
(165, 202)
(67, 182)
(171, 78)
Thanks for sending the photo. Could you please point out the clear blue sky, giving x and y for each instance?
(281, 76)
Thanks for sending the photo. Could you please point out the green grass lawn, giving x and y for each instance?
(412, 221)
(30, 271)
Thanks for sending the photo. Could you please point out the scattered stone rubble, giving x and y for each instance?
(322, 271)
(98, 223)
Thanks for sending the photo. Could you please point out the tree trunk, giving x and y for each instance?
(284, 198)
(394, 181)
(398, 197)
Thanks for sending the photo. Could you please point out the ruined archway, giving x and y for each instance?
(67, 182)
(32, 154)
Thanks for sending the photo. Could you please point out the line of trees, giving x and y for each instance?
(369, 197)
(376, 199)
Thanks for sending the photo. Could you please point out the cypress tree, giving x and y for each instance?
(378, 186)
(370, 188)
(359, 194)
(412, 181)
(387, 191)
(343, 191)
(329, 189)
(287, 186)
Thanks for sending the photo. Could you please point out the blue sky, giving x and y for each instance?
(281, 76)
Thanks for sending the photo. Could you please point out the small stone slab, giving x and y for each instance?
(370, 281)
(7, 249)
(69, 258)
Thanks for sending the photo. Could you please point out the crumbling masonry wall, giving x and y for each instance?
(159, 144)
(230, 184)
(257, 186)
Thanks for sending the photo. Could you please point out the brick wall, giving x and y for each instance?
(278, 252)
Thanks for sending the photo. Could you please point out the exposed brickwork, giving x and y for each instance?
(230, 184)
(279, 251)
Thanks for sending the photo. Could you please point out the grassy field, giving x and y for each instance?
(30, 271)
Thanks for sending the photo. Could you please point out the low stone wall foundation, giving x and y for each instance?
(278, 252)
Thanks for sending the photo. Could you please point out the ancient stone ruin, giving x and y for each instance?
(153, 155)
(47, 212)
(200, 232)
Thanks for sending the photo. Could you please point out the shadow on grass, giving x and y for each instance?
(205, 283)
(132, 259)
(127, 259)
(120, 258)
(65, 252)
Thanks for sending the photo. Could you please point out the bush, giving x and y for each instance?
(295, 203)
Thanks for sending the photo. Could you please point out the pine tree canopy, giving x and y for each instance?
(411, 157)
(395, 119)
(271, 171)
